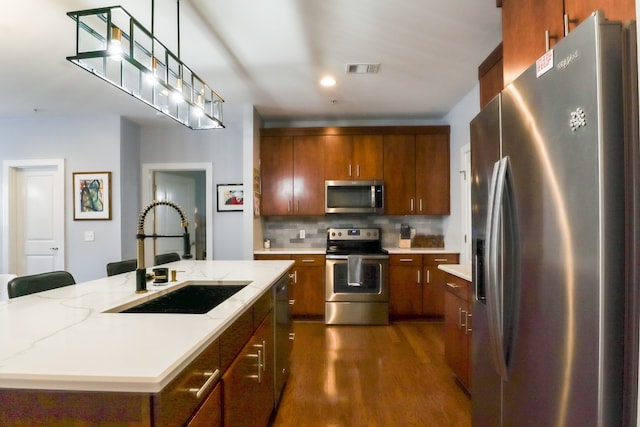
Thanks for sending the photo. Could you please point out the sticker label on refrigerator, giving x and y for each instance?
(544, 63)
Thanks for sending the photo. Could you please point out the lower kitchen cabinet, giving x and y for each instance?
(416, 285)
(248, 383)
(434, 283)
(210, 413)
(308, 283)
(457, 328)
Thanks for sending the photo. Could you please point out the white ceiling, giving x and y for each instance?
(267, 53)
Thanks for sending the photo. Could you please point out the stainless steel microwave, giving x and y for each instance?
(354, 196)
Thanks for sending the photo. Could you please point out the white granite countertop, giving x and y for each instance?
(463, 271)
(63, 339)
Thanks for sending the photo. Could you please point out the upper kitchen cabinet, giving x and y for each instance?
(353, 157)
(528, 26)
(291, 175)
(490, 76)
(416, 173)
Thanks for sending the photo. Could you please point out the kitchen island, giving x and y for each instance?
(67, 340)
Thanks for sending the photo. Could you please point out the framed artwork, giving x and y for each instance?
(230, 197)
(92, 195)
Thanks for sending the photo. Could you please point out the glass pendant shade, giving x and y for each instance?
(114, 46)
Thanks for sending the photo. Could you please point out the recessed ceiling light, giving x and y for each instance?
(328, 81)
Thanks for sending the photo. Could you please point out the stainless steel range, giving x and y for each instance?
(357, 277)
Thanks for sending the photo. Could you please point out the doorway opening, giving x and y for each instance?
(189, 185)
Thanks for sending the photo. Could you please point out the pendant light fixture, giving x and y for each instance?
(113, 45)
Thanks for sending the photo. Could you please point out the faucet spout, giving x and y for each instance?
(141, 271)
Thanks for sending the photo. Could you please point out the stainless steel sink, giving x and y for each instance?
(193, 298)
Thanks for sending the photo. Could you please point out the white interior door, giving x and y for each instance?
(34, 217)
(182, 191)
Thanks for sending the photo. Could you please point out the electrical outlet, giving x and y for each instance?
(89, 236)
(302, 234)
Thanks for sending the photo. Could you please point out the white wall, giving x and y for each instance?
(88, 144)
(223, 148)
(458, 118)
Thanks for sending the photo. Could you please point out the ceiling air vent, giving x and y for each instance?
(362, 68)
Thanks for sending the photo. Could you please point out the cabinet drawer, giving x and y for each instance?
(406, 260)
(234, 337)
(308, 260)
(432, 259)
(261, 308)
(177, 401)
(458, 286)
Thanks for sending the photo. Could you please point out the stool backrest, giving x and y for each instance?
(25, 285)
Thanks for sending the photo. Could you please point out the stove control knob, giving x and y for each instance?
(339, 233)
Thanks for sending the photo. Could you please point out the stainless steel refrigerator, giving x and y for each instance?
(550, 226)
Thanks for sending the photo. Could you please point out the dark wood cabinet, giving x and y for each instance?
(353, 157)
(291, 184)
(525, 22)
(210, 413)
(416, 285)
(399, 174)
(405, 285)
(308, 184)
(248, 383)
(434, 283)
(490, 76)
(416, 174)
(432, 175)
(458, 328)
(413, 161)
(276, 159)
(307, 284)
(308, 287)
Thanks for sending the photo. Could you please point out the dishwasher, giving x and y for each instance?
(283, 334)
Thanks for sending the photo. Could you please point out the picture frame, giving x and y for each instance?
(91, 196)
(230, 197)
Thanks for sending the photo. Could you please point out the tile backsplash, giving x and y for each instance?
(284, 232)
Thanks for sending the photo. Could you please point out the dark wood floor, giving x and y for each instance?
(371, 376)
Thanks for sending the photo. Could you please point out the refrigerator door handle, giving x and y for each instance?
(501, 216)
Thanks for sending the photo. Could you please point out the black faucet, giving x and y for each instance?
(141, 271)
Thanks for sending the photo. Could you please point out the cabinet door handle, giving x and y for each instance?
(411, 209)
(292, 302)
(567, 21)
(358, 171)
(419, 278)
(406, 259)
(288, 205)
(308, 260)
(547, 40)
(297, 205)
(292, 336)
(428, 276)
(349, 169)
(462, 317)
(211, 377)
(295, 277)
(259, 366)
(441, 259)
(420, 203)
(453, 286)
(468, 329)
